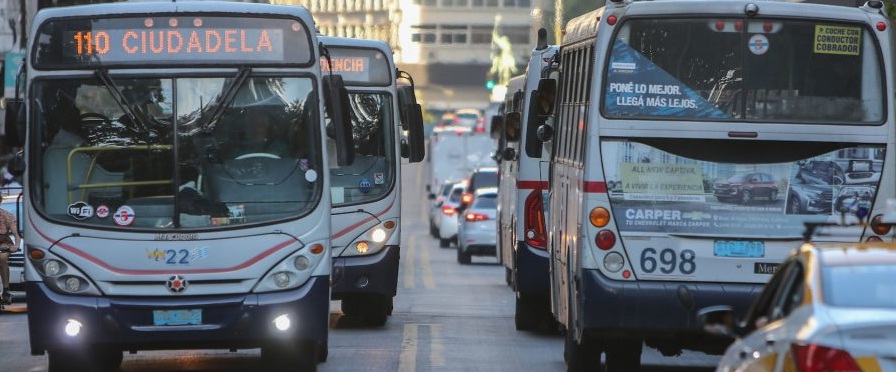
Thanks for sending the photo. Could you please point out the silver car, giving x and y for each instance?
(829, 307)
(477, 229)
(435, 208)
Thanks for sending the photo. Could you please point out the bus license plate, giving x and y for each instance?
(739, 248)
(177, 317)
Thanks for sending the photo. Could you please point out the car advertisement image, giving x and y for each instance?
(657, 191)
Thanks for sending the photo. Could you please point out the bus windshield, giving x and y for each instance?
(371, 174)
(175, 152)
(758, 70)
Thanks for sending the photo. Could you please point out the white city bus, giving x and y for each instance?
(176, 182)
(692, 141)
(522, 234)
(366, 195)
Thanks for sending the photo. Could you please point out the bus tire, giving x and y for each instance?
(377, 310)
(583, 356)
(323, 351)
(93, 359)
(624, 355)
(525, 316)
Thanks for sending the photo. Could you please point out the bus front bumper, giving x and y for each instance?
(242, 321)
(374, 274)
(655, 308)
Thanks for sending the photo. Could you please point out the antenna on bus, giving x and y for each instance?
(542, 42)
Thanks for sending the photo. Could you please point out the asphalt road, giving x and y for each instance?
(447, 317)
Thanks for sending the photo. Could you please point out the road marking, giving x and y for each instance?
(407, 361)
(409, 262)
(426, 267)
(412, 344)
(437, 348)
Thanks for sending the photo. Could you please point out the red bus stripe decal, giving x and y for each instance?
(594, 186)
(531, 185)
(362, 222)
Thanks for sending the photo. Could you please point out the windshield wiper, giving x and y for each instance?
(223, 100)
(122, 102)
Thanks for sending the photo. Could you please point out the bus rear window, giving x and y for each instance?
(744, 70)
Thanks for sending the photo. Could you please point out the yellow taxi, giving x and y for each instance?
(829, 307)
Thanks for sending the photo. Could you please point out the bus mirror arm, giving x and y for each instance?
(336, 98)
(545, 133)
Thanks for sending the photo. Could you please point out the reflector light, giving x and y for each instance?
(536, 228)
(626, 274)
(317, 249)
(739, 25)
(767, 26)
(36, 254)
(605, 239)
(720, 25)
(611, 20)
(881, 26)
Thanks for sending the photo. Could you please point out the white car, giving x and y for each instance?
(448, 215)
(477, 232)
(438, 198)
(829, 307)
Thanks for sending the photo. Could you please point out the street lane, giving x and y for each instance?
(447, 317)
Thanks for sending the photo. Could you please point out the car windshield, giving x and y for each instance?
(757, 70)
(871, 286)
(486, 202)
(176, 152)
(455, 195)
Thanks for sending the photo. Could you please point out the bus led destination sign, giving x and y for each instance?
(180, 40)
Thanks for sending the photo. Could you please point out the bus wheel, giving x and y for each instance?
(525, 316)
(581, 356)
(323, 351)
(624, 355)
(371, 309)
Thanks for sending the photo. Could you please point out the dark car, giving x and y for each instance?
(820, 172)
(810, 199)
(479, 179)
(744, 187)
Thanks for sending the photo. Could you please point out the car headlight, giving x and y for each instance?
(294, 270)
(373, 240)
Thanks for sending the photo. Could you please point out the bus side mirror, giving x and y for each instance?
(16, 165)
(512, 126)
(545, 96)
(336, 98)
(15, 122)
(497, 126)
(412, 117)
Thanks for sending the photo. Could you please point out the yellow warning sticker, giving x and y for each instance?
(838, 40)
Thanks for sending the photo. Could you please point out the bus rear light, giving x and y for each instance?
(448, 210)
(881, 26)
(817, 358)
(535, 226)
(767, 27)
(605, 239)
(738, 25)
(878, 227)
(613, 262)
(626, 274)
(720, 25)
(611, 20)
(599, 217)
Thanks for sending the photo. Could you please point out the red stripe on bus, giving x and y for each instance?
(594, 186)
(362, 222)
(122, 271)
(531, 185)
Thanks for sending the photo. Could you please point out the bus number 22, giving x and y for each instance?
(172, 257)
(667, 261)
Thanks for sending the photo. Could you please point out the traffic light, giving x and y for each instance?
(489, 84)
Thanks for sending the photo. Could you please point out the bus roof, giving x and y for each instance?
(586, 25)
(361, 62)
(355, 43)
(132, 8)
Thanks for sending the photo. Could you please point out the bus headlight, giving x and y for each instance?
(371, 241)
(53, 268)
(295, 270)
(72, 284)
